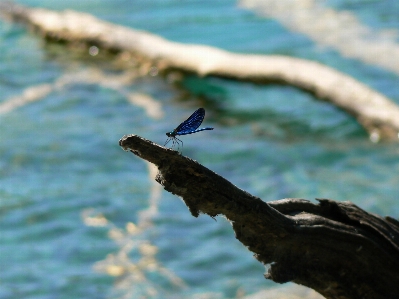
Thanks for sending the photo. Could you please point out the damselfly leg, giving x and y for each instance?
(175, 141)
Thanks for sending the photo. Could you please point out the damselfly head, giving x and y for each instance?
(170, 134)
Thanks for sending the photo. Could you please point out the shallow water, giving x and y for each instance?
(80, 218)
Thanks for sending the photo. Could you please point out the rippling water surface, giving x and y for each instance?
(80, 218)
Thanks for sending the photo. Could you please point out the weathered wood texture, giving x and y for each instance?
(335, 248)
(378, 114)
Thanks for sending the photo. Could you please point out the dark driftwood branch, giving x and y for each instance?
(333, 247)
(375, 112)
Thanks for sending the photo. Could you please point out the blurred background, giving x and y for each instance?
(80, 218)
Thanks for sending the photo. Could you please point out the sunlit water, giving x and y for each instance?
(80, 218)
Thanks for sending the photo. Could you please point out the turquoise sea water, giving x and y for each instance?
(80, 218)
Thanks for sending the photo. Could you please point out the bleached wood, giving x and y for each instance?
(378, 115)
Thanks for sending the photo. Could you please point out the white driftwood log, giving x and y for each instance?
(378, 115)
